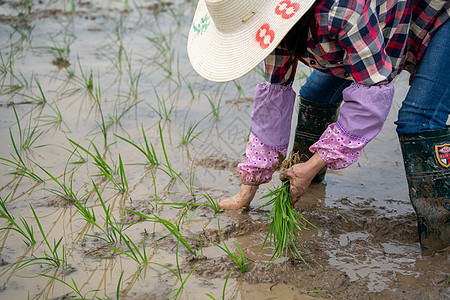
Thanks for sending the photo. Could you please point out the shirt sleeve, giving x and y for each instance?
(361, 118)
(280, 67)
(356, 26)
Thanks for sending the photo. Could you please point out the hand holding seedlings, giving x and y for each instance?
(300, 176)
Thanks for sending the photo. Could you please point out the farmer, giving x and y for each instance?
(356, 48)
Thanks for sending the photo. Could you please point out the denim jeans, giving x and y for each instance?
(427, 104)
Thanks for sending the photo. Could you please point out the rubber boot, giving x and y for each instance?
(313, 119)
(427, 165)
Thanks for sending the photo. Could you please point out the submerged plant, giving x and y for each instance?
(238, 257)
(105, 169)
(52, 257)
(27, 231)
(147, 149)
(174, 229)
(27, 136)
(286, 223)
(17, 162)
(74, 287)
(187, 135)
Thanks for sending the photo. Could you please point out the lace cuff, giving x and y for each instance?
(262, 162)
(338, 148)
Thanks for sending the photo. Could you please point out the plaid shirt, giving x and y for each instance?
(369, 42)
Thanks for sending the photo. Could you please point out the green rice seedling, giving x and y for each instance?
(239, 88)
(175, 231)
(238, 257)
(226, 282)
(147, 149)
(187, 135)
(134, 253)
(171, 227)
(59, 52)
(52, 258)
(167, 62)
(66, 188)
(171, 172)
(210, 203)
(163, 111)
(215, 108)
(214, 205)
(27, 231)
(69, 5)
(66, 192)
(28, 136)
(123, 178)
(17, 83)
(162, 42)
(177, 274)
(87, 214)
(56, 119)
(183, 281)
(112, 229)
(84, 81)
(115, 117)
(134, 78)
(188, 84)
(105, 169)
(97, 96)
(39, 99)
(74, 287)
(316, 293)
(17, 162)
(286, 223)
(6, 65)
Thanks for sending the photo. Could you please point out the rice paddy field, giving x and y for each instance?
(114, 154)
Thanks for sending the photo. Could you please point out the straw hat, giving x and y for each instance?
(228, 38)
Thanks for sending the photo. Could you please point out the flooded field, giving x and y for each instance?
(115, 152)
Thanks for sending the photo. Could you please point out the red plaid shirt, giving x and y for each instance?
(369, 42)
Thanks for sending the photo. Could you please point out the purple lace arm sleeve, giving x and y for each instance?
(270, 119)
(361, 118)
(271, 123)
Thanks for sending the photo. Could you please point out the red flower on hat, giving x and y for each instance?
(265, 36)
(287, 9)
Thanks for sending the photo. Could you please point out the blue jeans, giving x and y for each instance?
(427, 104)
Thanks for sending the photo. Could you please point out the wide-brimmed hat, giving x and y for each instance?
(229, 38)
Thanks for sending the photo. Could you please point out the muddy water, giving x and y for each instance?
(142, 80)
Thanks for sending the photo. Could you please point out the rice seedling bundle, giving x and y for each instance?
(285, 223)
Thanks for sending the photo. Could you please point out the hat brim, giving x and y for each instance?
(225, 56)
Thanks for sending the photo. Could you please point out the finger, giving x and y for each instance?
(296, 192)
(292, 201)
(287, 174)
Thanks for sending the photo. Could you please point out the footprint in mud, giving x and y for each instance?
(218, 163)
(55, 201)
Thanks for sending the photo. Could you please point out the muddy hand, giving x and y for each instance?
(301, 175)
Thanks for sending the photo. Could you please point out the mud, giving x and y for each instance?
(219, 163)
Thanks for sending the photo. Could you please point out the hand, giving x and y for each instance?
(301, 175)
